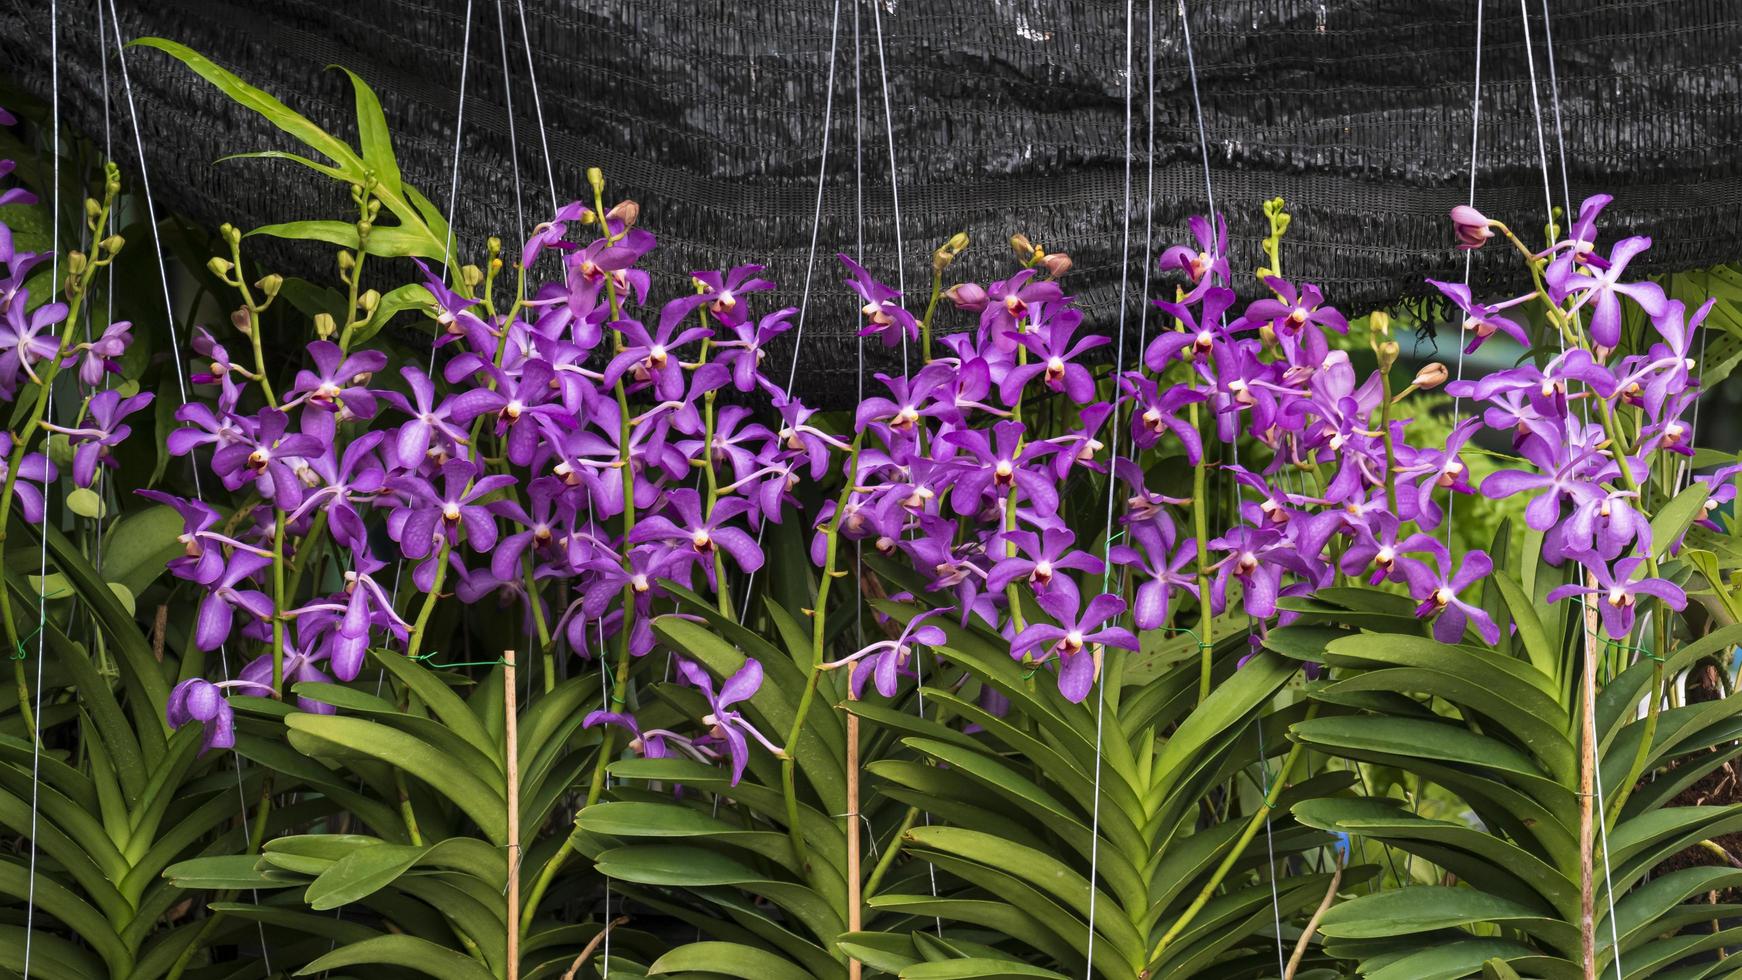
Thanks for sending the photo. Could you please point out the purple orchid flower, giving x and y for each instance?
(339, 381)
(197, 699)
(884, 317)
(1071, 640)
(1010, 306)
(1040, 559)
(34, 471)
(227, 593)
(724, 294)
(703, 534)
(727, 725)
(1618, 590)
(1438, 593)
(430, 421)
(999, 464)
(888, 658)
(435, 515)
(1205, 265)
(649, 744)
(101, 430)
(1482, 321)
(101, 357)
(1601, 289)
(1160, 564)
(651, 358)
(1055, 361)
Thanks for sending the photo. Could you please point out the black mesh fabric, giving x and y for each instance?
(1007, 115)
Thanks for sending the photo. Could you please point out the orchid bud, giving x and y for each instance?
(243, 320)
(92, 208)
(1472, 226)
(493, 245)
(1387, 352)
(369, 301)
(596, 180)
(230, 233)
(347, 261)
(627, 212)
(76, 263)
(269, 285)
(1022, 248)
(113, 244)
(325, 326)
(1057, 264)
(472, 276)
(1379, 322)
(111, 179)
(967, 296)
(947, 252)
(1430, 376)
(219, 267)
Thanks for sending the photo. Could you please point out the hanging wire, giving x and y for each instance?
(901, 286)
(180, 375)
(894, 176)
(1234, 446)
(1475, 143)
(1548, 203)
(1113, 454)
(537, 105)
(42, 576)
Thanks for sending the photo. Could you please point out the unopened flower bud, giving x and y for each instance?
(1430, 376)
(1472, 226)
(231, 233)
(1379, 322)
(493, 245)
(627, 212)
(596, 180)
(1387, 352)
(243, 320)
(92, 208)
(967, 296)
(270, 284)
(325, 326)
(113, 244)
(347, 261)
(1022, 248)
(219, 266)
(947, 252)
(1057, 264)
(76, 263)
(369, 300)
(472, 276)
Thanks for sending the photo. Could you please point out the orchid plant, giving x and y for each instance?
(1005, 671)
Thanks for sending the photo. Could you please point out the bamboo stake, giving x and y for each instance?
(854, 919)
(1587, 773)
(511, 752)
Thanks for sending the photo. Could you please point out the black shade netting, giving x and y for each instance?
(1007, 116)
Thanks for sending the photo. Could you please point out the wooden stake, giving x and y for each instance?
(854, 920)
(1587, 795)
(511, 753)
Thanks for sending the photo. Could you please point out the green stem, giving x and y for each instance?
(887, 861)
(819, 624)
(1238, 850)
(415, 642)
(278, 606)
(937, 288)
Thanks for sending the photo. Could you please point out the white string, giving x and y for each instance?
(1112, 483)
(42, 574)
(1548, 201)
(180, 377)
(894, 178)
(513, 140)
(810, 262)
(1458, 335)
(1234, 446)
(901, 286)
(537, 105)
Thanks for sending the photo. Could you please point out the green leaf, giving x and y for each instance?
(467, 791)
(448, 706)
(385, 241)
(970, 967)
(225, 872)
(408, 952)
(728, 959)
(1673, 518)
(139, 545)
(412, 296)
(372, 134)
(84, 502)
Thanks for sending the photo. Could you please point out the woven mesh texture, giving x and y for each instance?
(1008, 115)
